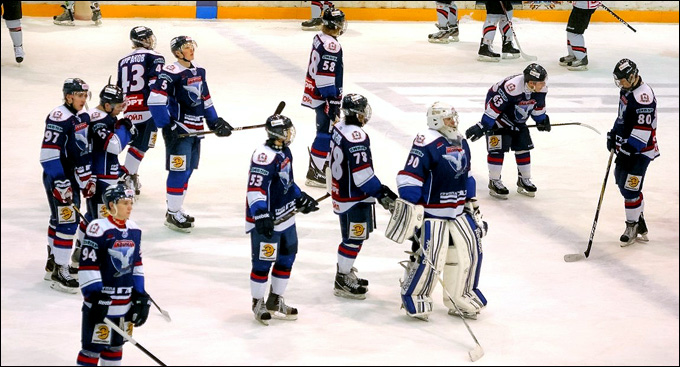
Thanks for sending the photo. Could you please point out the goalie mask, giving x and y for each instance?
(443, 118)
(626, 71)
(334, 20)
(143, 37)
(280, 131)
(356, 109)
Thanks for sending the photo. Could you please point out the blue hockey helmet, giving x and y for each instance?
(280, 131)
(177, 43)
(114, 193)
(356, 109)
(74, 85)
(334, 19)
(142, 36)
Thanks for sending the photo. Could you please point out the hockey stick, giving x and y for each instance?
(279, 109)
(477, 352)
(163, 312)
(617, 17)
(572, 123)
(576, 257)
(131, 340)
(524, 55)
(291, 214)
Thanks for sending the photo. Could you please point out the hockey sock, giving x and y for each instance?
(133, 159)
(578, 44)
(15, 31)
(258, 283)
(495, 163)
(69, 5)
(280, 278)
(175, 202)
(111, 357)
(347, 253)
(442, 14)
(634, 207)
(453, 14)
(523, 159)
(489, 29)
(505, 26)
(316, 9)
(569, 50)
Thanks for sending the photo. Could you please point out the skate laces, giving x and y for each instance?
(64, 272)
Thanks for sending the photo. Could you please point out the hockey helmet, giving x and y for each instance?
(177, 43)
(625, 69)
(356, 109)
(535, 73)
(143, 37)
(114, 193)
(280, 131)
(437, 115)
(75, 85)
(334, 19)
(111, 94)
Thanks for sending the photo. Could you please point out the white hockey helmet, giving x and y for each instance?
(436, 116)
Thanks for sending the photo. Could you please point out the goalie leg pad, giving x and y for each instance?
(406, 217)
(420, 277)
(462, 267)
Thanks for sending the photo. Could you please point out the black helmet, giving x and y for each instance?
(72, 85)
(334, 19)
(625, 69)
(114, 193)
(535, 73)
(355, 105)
(140, 37)
(279, 128)
(179, 41)
(111, 94)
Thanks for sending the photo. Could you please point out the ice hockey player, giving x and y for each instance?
(11, 13)
(355, 187)
(136, 73)
(66, 18)
(112, 280)
(272, 199)
(438, 212)
(65, 158)
(323, 90)
(447, 23)
(634, 139)
(577, 59)
(496, 15)
(179, 101)
(509, 104)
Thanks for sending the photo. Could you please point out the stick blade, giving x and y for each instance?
(166, 315)
(280, 108)
(570, 258)
(476, 353)
(529, 57)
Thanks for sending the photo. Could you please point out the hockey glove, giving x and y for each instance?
(544, 125)
(626, 157)
(264, 224)
(386, 197)
(61, 190)
(333, 109)
(475, 132)
(222, 128)
(611, 141)
(139, 311)
(100, 307)
(86, 182)
(128, 125)
(306, 204)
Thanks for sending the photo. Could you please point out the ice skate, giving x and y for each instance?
(509, 51)
(526, 187)
(362, 282)
(49, 266)
(315, 177)
(97, 18)
(19, 54)
(313, 24)
(278, 308)
(441, 36)
(497, 189)
(635, 231)
(62, 280)
(485, 53)
(178, 221)
(260, 311)
(347, 286)
(578, 65)
(65, 18)
(565, 60)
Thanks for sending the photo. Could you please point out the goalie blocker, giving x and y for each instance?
(453, 247)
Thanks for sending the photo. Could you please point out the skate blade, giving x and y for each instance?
(578, 68)
(628, 243)
(437, 40)
(312, 183)
(281, 316)
(497, 195)
(345, 294)
(509, 56)
(175, 228)
(469, 316)
(315, 28)
(488, 59)
(526, 193)
(70, 24)
(453, 39)
(643, 238)
(59, 287)
(48, 275)
(263, 322)
(425, 318)
(97, 22)
(563, 63)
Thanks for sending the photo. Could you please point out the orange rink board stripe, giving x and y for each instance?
(172, 11)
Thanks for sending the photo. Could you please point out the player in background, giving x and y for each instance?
(65, 159)
(509, 104)
(577, 59)
(354, 190)
(179, 102)
(447, 23)
(108, 137)
(112, 280)
(323, 90)
(633, 137)
(317, 8)
(436, 178)
(66, 18)
(496, 15)
(136, 73)
(11, 13)
(272, 196)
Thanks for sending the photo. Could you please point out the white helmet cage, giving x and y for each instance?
(438, 112)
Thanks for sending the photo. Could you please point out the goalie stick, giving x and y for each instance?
(524, 55)
(576, 257)
(572, 123)
(131, 340)
(278, 111)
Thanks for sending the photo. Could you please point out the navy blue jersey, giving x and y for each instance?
(351, 166)
(636, 122)
(183, 93)
(65, 146)
(509, 103)
(271, 187)
(325, 71)
(436, 175)
(111, 262)
(106, 145)
(136, 73)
